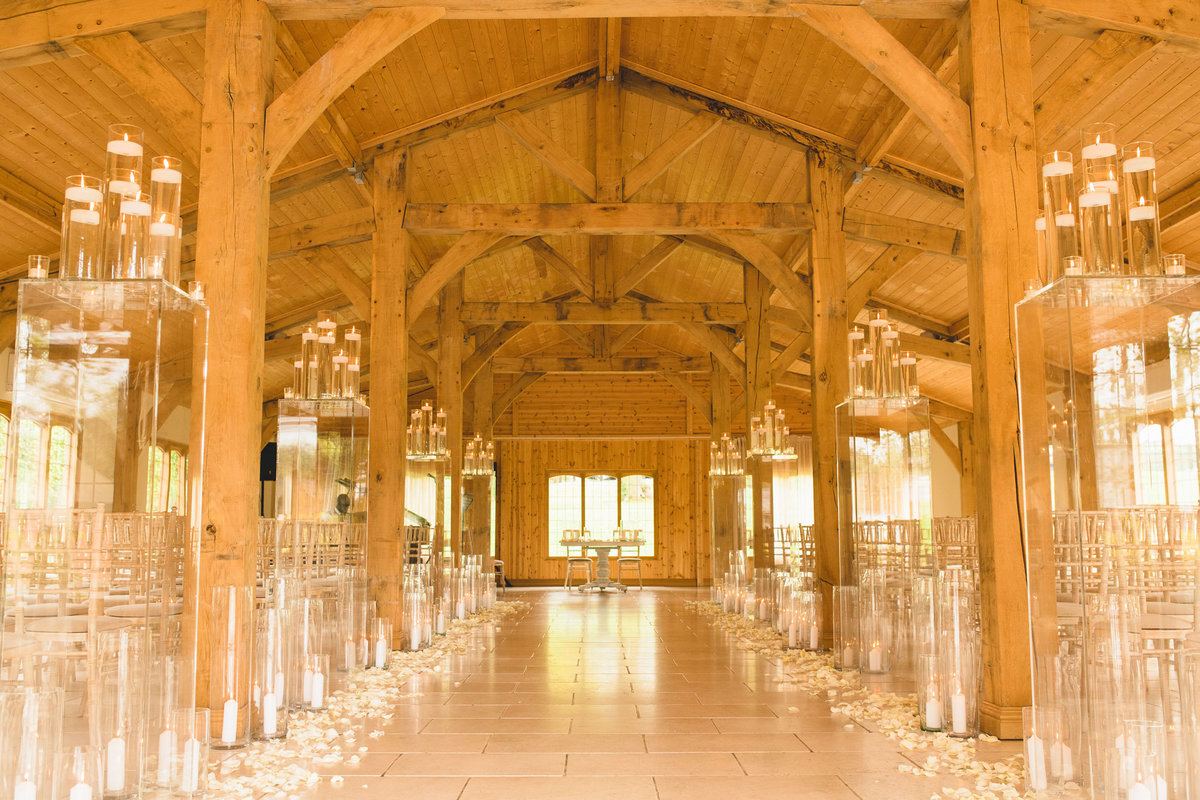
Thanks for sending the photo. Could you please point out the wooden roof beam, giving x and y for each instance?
(622, 313)
(891, 261)
(764, 259)
(334, 267)
(907, 316)
(293, 111)
(627, 335)
(855, 31)
(33, 33)
(33, 204)
(929, 347)
(506, 398)
(871, 226)
(154, 83)
(1180, 206)
(488, 348)
(646, 265)
(1168, 20)
(675, 147)
(555, 260)
(533, 219)
(549, 152)
(559, 364)
(469, 247)
(668, 89)
(596, 9)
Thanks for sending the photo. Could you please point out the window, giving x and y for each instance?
(58, 478)
(3, 460)
(165, 472)
(600, 502)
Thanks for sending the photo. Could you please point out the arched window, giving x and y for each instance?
(156, 488)
(58, 468)
(3, 460)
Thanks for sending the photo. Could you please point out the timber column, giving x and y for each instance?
(389, 387)
(231, 261)
(450, 398)
(1001, 199)
(756, 293)
(830, 370)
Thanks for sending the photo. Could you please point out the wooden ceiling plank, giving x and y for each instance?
(623, 313)
(782, 363)
(891, 261)
(154, 83)
(545, 253)
(864, 38)
(567, 364)
(764, 259)
(334, 267)
(297, 108)
(1180, 206)
(549, 152)
(46, 31)
(907, 316)
(676, 146)
(697, 400)
(646, 265)
(501, 404)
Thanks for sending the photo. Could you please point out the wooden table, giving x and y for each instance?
(603, 548)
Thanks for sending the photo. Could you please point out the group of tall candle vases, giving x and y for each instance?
(323, 370)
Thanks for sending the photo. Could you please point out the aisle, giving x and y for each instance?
(606, 696)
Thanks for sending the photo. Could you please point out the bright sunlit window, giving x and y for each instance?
(600, 502)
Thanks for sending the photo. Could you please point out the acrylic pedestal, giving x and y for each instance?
(99, 556)
(1109, 375)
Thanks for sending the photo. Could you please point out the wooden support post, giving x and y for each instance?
(722, 409)
(231, 262)
(478, 516)
(830, 373)
(389, 387)
(996, 78)
(450, 398)
(757, 295)
(966, 452)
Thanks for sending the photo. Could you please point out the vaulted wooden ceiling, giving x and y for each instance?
(503, 111)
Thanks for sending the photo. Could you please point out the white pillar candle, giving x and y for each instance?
(270, 714)
(189, 779)
(318, 690)
(348, 653)
(85, 216)
(306, 687)
(848, 657)
(793, 634)
(814, 637)
(875, 659)
(277, 689)
(958, 712)
(84, 194)
(124, 147)
(166, 175)
(1061, 765)
(381, 653)
(81, 791)
(414, 636)
(1035, 763)
(166, 753)
(25, 790)
(229, 722)
(933, 713)
(441, 622)
(1140, 791)
(114, 765)
(460, 610)
(762, 609)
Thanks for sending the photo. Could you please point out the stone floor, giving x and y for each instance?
(628, 697)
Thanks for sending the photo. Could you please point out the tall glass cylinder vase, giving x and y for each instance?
(930, 706)
(1189, 702)
(306, 620)
(81, 776)
(269, 691)
(1058, 188)
(163, 738)
(959, 648)
(876, 626)
(191, 755)
(230, 666)
(83, 208)
(845, 627)
(1138, 165)
(121, 721)
(30, 740)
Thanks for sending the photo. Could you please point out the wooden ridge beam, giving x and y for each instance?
(645, 265)
(47, 30)
(549, 152)
(560, 364)
(506, 398)
(469, 247)
(675, 147)
(334, 267)
(872, 226)
(622, 313)
(595, 9)
(154, 83)
(763, 258)
(686, 388)
(546, 254)
(928, 347)
(536, 219)
(362, 47)
(864, 38)
(664, 88)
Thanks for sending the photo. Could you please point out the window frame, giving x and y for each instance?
(619, 474)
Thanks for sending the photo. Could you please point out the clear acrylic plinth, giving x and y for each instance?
(99, 547)
(479, 517)
(1109, 378)
(728, 527)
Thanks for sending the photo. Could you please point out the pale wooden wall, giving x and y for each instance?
(681, 500)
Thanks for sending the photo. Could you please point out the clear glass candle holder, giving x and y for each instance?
(315, 682)
(166, 185)
(1058, 190)
(119, 186)
(82, 228)
(1035, 729)
(1144, 761)
(845, 627)
(134, 232)
(230, 636)
(124, 148)
(30, 738)
(959, 648)
(162, 255)
(1100, 223)
(307, 621)
(1174, 264)
(381, 642)
(39, 268)
(930, 706)
(81, 777)
(190, 771)
(268, 693)
(1138, 166)
(120, 725)
(164, 738)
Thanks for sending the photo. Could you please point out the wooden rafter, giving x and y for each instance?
(559, 364)
(719, 348)
(627, 335)
(928, 347)
(887, 264)
(297, 108)
(686, 388)
(357, 291)
(1171, 21)
(157, 85)
(549, 152)
(907, 316)
(872, 226)
(469, 247)
(866, 40)
(534, 219)
(765, 260)
(489, 347)
(675, 147)
(501, 403)
(623, 313)
(555, 260)
(645, 265)
(782, 363)
(33, 204)
(947, 446)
